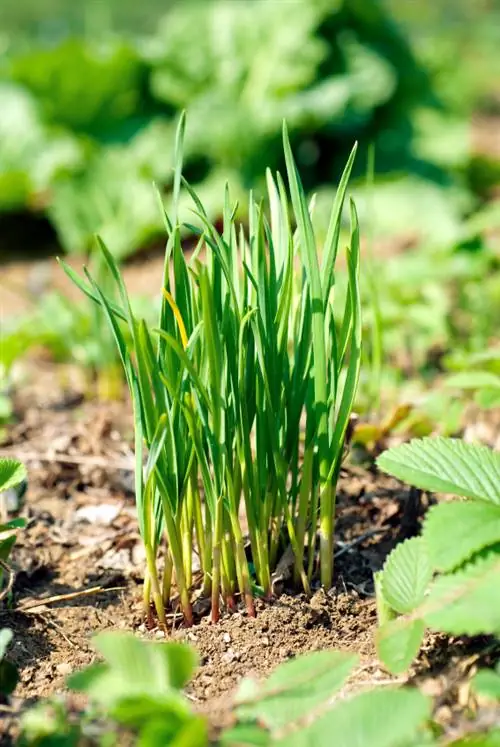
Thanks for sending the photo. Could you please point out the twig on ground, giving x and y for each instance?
(36, 604)
(347, 546)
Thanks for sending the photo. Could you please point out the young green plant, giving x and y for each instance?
(446, 579)
(242, 394)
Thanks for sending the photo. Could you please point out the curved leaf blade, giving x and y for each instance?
(406, 575)
(446, 465)
(295, 688)
(380, 718)
(453, 532)
(398, 642)
(467, 602)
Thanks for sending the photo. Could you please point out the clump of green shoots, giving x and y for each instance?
(242, 395)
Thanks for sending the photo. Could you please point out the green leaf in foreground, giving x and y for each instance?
(135, 668)
(193, 733)
(295, 688)
(380, 718)
(487, 683)
(467, 602)
(245, 735)
(453, 532)
(407, 573)
(446, 465)
(12, 473)
(398, 642)
(491, 739)
(463, 603)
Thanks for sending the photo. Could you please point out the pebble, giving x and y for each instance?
(226, 638)
(64, 668)
(160, 634)
(229, 656)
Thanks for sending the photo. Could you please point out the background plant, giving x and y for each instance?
(92, 113)
(445, 579)
(12, 475)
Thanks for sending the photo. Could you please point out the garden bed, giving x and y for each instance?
(79, 568)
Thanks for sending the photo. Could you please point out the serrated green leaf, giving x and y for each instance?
(467, 602)
(12, 473)
(446, 465)
(453, 532)
(295, 688)
(398, 642)
(406, 575)
(381, 718)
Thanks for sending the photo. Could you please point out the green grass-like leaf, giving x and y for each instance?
(446, 465)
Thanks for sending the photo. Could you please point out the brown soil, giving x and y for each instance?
(79, 566)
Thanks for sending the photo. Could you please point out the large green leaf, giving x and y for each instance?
(12, 473)
(381, 718)
(453, 532)
(295, 688)
(487, 682)
(467, 602)
(446, 465)
(398, 643)
(406, 575)
(135, 669)
(463, 603)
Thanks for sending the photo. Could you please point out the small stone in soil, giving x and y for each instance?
(226, 638)
(229, 656)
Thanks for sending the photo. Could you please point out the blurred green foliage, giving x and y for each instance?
(87, 121)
